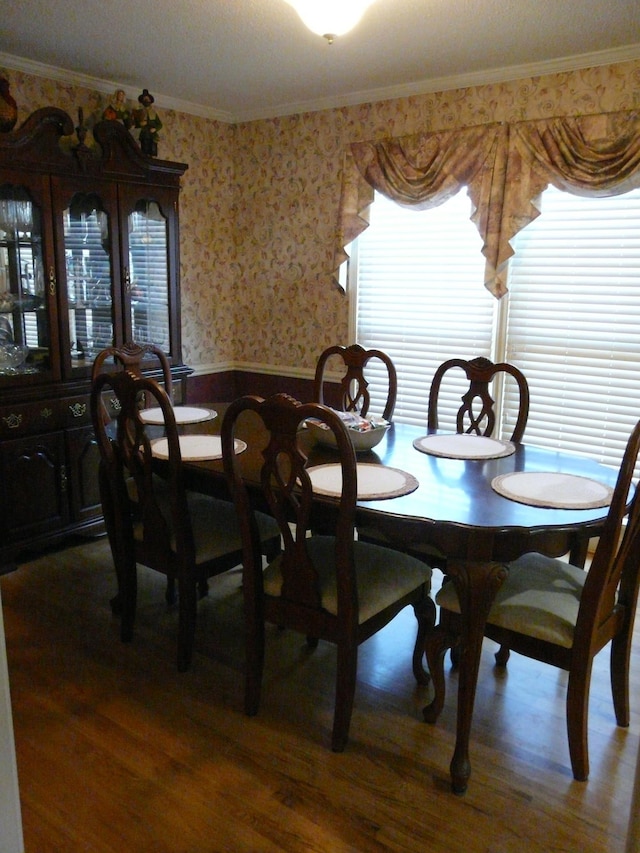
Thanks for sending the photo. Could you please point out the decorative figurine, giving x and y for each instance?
(8, 108)
(148, 121)
(117, 109)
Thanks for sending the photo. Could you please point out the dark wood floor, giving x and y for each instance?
(119, 752)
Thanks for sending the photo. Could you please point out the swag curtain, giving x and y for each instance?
(595, 155)
(423, 171)
(505, 168)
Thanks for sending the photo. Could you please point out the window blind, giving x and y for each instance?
(571, 320)
(418, 299)
(573, 323)
(149, 268)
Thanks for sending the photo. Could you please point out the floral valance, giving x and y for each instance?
(504, 167)
(596, 155)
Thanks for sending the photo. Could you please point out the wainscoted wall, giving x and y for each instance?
(258, 210)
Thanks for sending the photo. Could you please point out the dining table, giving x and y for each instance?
(466, 504)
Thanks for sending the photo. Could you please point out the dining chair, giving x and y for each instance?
(353, 393)
(131, 356)
(151, 518)
(327, 587)
(560, 614)
(477, 412)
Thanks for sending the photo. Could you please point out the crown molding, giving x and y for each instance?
(444, 84)
(421, 87)
(52, 72)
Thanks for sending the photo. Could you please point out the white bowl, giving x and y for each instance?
(365, 433)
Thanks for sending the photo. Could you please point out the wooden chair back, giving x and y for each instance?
(288, 493)
(354, 393)
(148, 515)
(477, 414)
(610, 594)
(135, 495)
(131, 357)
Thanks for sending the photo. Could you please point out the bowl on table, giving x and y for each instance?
(365, 433)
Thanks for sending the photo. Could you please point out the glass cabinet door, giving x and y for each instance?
(88, 266)
(25, 331)
(148, 274)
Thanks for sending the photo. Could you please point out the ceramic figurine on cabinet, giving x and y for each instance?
(118, 110)
(148, 121)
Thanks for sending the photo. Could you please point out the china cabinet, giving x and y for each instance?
(89, 257)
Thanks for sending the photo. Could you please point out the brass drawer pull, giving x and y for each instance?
(13, 421)
(78, 409)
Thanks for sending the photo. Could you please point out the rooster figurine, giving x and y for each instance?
(8, 108)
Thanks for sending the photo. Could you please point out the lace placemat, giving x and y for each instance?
(375, 482)
(464, 446)
(182, 414)
(552, 490)
(195, 448)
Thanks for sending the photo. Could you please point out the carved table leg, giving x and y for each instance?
(477, 585)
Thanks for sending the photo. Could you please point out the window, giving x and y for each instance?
(571, 320)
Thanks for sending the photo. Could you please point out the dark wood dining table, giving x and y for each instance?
(455, 509)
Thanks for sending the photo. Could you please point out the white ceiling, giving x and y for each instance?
(246, 59)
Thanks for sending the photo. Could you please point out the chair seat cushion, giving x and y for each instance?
(539, 598)
(383, 575)
(216, 529)
(214, 523)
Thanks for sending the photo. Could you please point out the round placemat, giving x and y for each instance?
(552, 490)
(195, 448)
(182, 414)
(375, 482)
(462, 445)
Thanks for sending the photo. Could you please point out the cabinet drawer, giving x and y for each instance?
(29, 418)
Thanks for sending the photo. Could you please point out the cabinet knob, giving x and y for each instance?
(78, 409)
(13, 421)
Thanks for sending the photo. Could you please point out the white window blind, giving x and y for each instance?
(574, 322)
(418, 297)
(571, 321)
(149, 269)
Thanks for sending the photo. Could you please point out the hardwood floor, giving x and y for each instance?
(119, 752)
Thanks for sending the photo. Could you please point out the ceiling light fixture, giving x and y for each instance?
(330, 18)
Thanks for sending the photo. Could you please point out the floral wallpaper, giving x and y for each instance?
(259, 204)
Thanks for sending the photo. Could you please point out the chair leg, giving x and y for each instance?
(436, 645)
(170, 592)
(619, 670)
(345, 691)
(187, 612)
(502, 655)
(254, 662)
(127, 595)
(448, 623)
(426, 615)
(577, 719)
